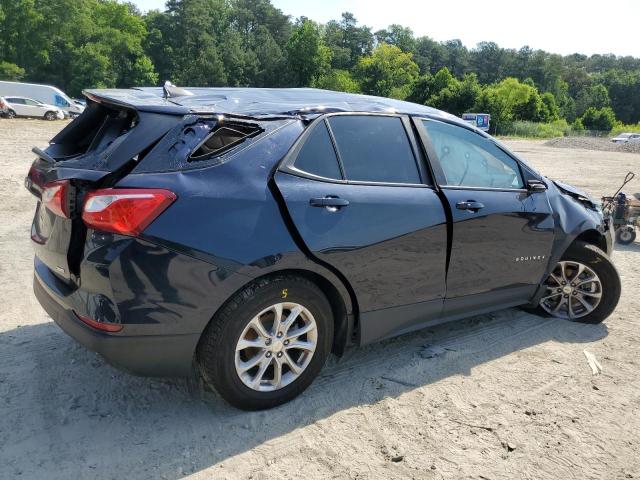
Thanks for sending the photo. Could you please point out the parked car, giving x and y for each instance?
(626, 138)
(249, 233)
(42, 93)
(28, 107)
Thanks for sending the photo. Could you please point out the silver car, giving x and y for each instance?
(626, 138)
(28, 107)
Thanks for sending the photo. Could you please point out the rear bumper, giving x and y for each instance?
(147, 355)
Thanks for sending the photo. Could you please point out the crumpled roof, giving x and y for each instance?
(263, 101)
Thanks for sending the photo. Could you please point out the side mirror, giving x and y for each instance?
(536, 186)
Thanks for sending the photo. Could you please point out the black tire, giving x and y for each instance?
(601, 264)
(50, 116)
(625, 235)
(216, 351)
(10, 114)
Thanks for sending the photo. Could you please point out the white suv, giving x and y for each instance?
(28, 107)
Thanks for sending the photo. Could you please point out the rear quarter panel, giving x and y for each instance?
(224, 229)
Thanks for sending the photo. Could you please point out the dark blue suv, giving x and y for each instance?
(249, 233)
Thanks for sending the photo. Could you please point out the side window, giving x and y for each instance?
(470, 160)
(17, 101)
(374, 149)
(317, 155)
(30, 102)
(60, 102)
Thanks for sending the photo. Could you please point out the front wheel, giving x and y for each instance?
(267, 343)
(583, 287)
(50, 116)
(625, 235)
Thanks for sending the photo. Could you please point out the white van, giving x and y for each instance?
(43, 93)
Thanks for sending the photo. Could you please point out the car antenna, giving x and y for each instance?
(171, 91)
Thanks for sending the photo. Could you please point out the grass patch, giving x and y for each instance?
(559, 128)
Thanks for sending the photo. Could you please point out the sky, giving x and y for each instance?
(557, 26)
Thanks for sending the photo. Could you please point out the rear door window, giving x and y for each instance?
(374, 149)
(470, 160)
(317, 155)
(17, 101)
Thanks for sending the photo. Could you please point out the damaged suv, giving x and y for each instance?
(248, 233)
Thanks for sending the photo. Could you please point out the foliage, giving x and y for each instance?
(596, 96)
(623, 128)
(307, 55)
(603, 119)
(387, 72)
(347, 41)
(10, 71)
(510, 100)
(337, 80)
(446, 92)
(78, 44)
(557, 128)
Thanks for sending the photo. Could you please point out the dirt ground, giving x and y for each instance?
(501, 396)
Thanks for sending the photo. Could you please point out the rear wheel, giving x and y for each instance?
(625, 235)
(11, 114)
(50, 116)
(268, 342)
(583, 287)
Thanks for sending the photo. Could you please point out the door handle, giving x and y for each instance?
(469, 205)
(330, 203)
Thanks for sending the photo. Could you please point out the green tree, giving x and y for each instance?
(10, 71)
(387, 72)
(347, 41)
(603, 119)
(307, 55)
(401, 37)
(488, 60)
(430, 55)
(457, 57)
(445, 92)
(551, 110)
(596, 96)
(272, 60)
(509, 100)
(337, 80)
(624, 92)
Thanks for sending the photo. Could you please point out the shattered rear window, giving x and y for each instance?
(199, 141)
(223, 139)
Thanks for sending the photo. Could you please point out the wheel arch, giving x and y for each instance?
(593, 237)
(340, 296)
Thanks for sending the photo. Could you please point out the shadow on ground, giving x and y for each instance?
(632, 247)
(64, 406)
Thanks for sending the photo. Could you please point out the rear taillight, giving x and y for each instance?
(35, 178)
(124, 211)
(54, 197)
(104, 326)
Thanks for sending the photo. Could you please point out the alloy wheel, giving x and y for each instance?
(276, 346)
(573, 291)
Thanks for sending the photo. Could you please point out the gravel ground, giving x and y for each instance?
(501, 396)
(593, 143)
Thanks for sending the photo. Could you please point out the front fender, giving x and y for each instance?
(572, 217)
